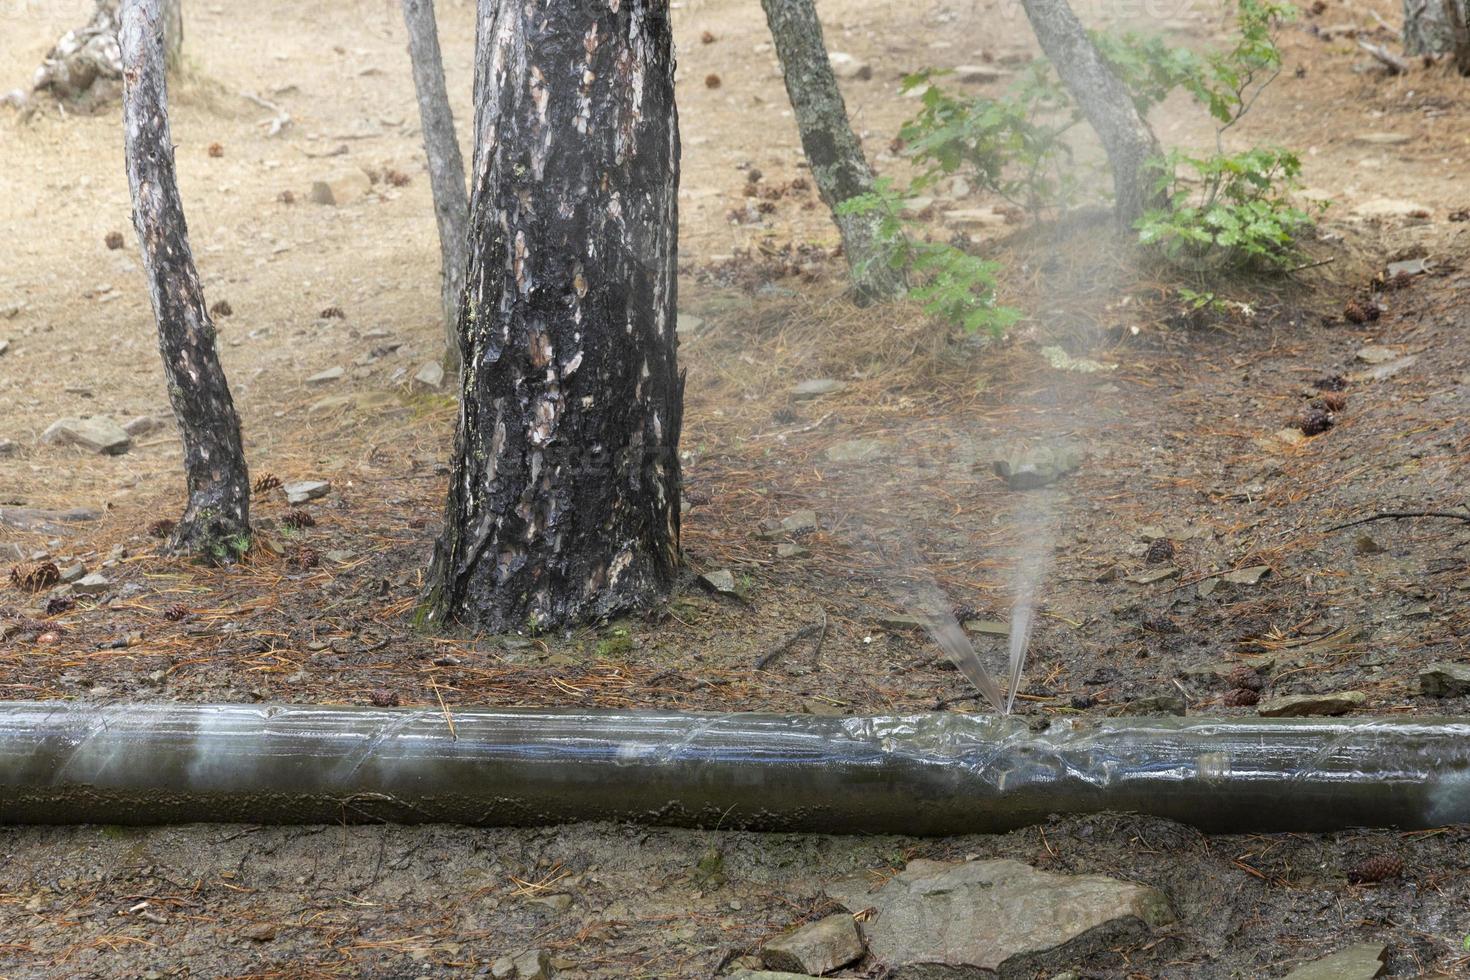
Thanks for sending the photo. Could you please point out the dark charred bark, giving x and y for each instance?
(832, 149)
(564, 493)
(216, 521)
(1130, 144)
(446, 165)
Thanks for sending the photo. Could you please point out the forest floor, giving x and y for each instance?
(1187, 437)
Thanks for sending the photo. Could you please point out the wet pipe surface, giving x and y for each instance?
(922, 774)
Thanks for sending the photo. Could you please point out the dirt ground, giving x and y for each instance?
(1181, 438)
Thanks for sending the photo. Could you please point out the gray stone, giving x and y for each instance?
(817, 947)
(73, 572)
(1445, 680)
(340, 189)
(1388, 207)
(721, 581)
(503, 968)
(975, 218)
(141, 425)
(765, 975)
(429, 376)
(1361, 962)
(799, 521)
(1037, 467)
(8, 448)
(938, 919)
(1303, 705)
(979, 74)
(1376, 354)
(688, 325)
(326, 377)
(94, 584)
(4, 346)
(854, 450)
(1247, 576)
(788, 550)
(534, 964)
(847, 66)
(816, 388)
(11, 552)
(1157, 704)
(1151, 575)
(99, 433)
(1382, 139)
(556, 903)
(300, 491)
(987, 627)
(1382, 372)
(1408, 267)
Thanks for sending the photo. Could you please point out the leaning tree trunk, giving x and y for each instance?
(446, 166)
(1130, 144)
(564, 493)
(216, 521)
(832, 148)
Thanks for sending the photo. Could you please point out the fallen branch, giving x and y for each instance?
(1395, 64)
(819, 630)
(1400, 515)
(275, 124)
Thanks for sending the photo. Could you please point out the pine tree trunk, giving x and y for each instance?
(446, 166)
(216, 521)
(173, 35)
(832, 149)
(1125, 135)
(564, 493)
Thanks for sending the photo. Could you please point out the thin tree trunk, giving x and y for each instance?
(1125, 135)
(832, 149)
(446, 166)
(1459, 21)
(173, 35)
(216, 521)
(1431, 26)
(564, 493)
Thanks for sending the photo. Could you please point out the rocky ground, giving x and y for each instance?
(839, 462)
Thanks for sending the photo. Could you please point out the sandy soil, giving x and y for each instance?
(1179, 438)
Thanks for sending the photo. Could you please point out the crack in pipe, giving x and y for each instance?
(69, 762)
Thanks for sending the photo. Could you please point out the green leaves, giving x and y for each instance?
(950, 283)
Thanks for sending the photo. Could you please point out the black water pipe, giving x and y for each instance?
(67, 762)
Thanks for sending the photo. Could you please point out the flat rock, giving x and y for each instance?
(339, 189)
(816, 388)
(1445, 680)
(855, 450)
(987, 627)
(327, 377)
(799, 521)
(721, 581)
(1408, 267)
(534, 964)
(300, 491)
(1361, 962)
(141, 425)
(4, 347)
(73, 572)
(8, 447)
(1382, 372)
(99, 434)
(429, 376)
(1304, 705)
(688, 325)
(847, 66)
(765, 975)
(1247, 576)
(979, 74)
(45, 521)
(787, 549)
(817, 947)
(1382, 139)
(1151, 575)
(1037, 467)
(363, 401)
(940, 920)
(94, 584)
(974, 218)
(1376, 354)
(1388, 207)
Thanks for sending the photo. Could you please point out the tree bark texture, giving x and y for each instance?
(446, 165)
(1130, 143)
(564, 491)
(173, 35)
(216, 521)
(832, 149)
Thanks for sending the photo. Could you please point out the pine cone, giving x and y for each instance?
(1360, 312)
(1381, 867)
(1314, 422)
(267, 482)
(1242, 697)
(384, 698)
(303, 558)
(1159, 550)
(1333, 401)
(1333, 382)
(58, 604)
(33, 576)
(1246, 677)
(161, 528)
(333, 313)
(299, 519)
(175, 612)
